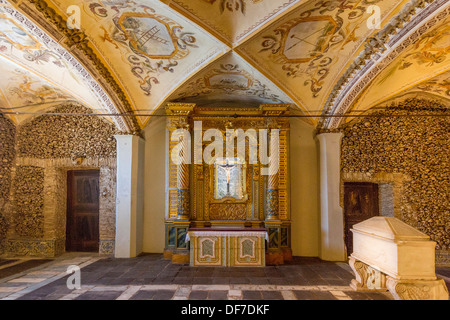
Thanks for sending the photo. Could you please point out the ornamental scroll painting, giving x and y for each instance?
(229, 178)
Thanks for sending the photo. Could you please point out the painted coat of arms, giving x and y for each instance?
(151, 37)
(153, 42)
(148, 35)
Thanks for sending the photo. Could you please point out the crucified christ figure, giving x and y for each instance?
(228, 167)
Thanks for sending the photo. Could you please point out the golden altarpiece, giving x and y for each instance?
(228, 210)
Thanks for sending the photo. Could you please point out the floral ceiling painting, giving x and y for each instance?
(428, 55)
(227, 78)
(148, 47)
(22, 90)
(134, 56)
(306, 50)
(35, 73)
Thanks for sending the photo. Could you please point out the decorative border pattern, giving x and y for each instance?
(106, 246)
(35, 248)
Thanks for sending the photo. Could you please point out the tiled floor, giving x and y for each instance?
(149, 277)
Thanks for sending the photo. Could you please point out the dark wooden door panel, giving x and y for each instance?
(360, 203)
(82, 211)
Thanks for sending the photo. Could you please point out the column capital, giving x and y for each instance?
(122, 138)
(180, 109)
(322, 136)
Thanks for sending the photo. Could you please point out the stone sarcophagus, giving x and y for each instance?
(390, 255)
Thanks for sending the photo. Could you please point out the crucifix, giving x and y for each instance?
(228, 167)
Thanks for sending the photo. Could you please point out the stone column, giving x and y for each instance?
(130, 196)
(55, 194)
(331, 213)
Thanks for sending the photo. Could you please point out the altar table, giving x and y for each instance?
(227, 247)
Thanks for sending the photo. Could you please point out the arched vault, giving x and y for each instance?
(126, 59)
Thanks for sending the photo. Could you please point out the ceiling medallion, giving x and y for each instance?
(307, 38)
(232, 5)
(148, 35)
(301, 40)
(229, 78)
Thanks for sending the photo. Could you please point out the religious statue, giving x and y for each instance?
(228, 179)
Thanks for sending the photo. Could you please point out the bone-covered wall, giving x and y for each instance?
(411, 153)
(35, 161)
(28, 186)
(66, 136)
(7, 155)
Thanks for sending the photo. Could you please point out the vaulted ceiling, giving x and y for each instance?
(124, 58)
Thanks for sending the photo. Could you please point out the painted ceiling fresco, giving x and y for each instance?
(411, 71)
(306, 50)
(144, 53)
(22, 90)
(33, 73)
(439, 86)
(233, 20)
(150, 48)
(229, 81)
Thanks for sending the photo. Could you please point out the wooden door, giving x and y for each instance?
(360, 203)
(82, 230)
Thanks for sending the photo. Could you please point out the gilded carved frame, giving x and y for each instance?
(202, 175)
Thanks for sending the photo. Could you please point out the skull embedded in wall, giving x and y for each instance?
(78, 160)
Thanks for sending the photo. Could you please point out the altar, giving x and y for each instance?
(227, 247)
(227, 191)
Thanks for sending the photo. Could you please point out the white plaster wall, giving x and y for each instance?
(305, 201)
(154, 186)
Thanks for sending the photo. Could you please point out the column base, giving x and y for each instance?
(287, 254)
(167, 255)
(274, 258)
(417, 289)
(180, 258)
